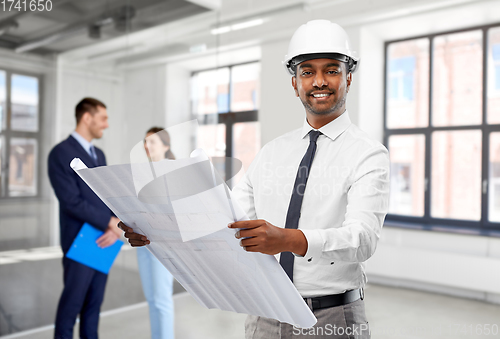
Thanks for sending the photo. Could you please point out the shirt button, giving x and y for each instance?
(310, 259)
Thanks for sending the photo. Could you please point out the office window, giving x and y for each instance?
(24, 103)
(495, 49)
(456, 174)
(442, 129)
(19, 134)
(457, 79)
(493, 76)
(401, 73)
(244, 84)
(3, 100)
(408, 84)
(494, 178)
(225, 101)
(210, 91)
(407, 174)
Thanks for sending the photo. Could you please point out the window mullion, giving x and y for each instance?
(485, 136)
(230, 89)
(428, 139)
(386, 53)
(7, 136)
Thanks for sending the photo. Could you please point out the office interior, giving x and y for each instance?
(427, 87)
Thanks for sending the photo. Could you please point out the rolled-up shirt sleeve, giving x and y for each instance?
(367, 205)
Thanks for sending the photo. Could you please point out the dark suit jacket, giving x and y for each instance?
(78, 204)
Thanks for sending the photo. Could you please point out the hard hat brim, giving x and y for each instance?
(292, 64)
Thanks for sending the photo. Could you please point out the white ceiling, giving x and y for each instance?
(66, 25)
(172, 42)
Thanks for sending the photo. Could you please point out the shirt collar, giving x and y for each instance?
(82, 141)
(332, 130)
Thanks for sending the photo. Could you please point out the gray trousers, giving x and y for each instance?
(341, 322)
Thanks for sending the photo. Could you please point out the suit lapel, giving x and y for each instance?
(84, 156)
(100, 159)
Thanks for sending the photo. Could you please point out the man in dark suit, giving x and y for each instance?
(83, 291)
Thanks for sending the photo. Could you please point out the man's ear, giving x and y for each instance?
(349, 79)
(86, 117)
(294, 85)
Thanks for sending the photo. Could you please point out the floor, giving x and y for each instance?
(31, 282)
(392, 312)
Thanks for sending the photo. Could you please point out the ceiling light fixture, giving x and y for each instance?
(237, 26)
(221, 30)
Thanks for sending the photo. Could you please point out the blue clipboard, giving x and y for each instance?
(84, 250)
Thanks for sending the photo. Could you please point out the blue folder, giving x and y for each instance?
(85, 250)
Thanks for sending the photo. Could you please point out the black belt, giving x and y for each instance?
(336, 299)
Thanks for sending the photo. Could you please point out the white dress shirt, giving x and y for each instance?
(83, 142)
(344, 206)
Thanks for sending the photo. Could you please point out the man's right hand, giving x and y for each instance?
(113, 225)
(135, 239)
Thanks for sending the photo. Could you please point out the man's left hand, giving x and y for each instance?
(262, 236)
(108, 238)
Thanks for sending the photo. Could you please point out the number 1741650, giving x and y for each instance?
(26, 5)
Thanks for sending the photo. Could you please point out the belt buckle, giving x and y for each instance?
(315, 303)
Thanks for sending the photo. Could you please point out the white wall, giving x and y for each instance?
(76, 83)
(280, 110)
(178, 108)
(370, 98)
(144, 94)
(454, 264)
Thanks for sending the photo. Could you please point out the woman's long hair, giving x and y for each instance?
(165, 139)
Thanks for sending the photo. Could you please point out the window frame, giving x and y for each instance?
(227, 118)
(427, 222)
(7, 134)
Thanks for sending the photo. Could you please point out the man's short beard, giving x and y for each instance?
(339, 104)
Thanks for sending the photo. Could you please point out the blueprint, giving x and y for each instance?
(183, 207)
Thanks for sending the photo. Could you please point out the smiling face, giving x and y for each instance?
(96, 123)
(155, 148)
(322, 86)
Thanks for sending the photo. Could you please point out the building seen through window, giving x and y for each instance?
(225, 101)
(19, 134)
(442, 127)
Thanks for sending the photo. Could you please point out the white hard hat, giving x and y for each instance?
(320, 39)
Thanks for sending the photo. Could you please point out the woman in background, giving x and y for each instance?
(157, 282)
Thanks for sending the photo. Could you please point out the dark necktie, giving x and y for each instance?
(93, 154)
(293, 214)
